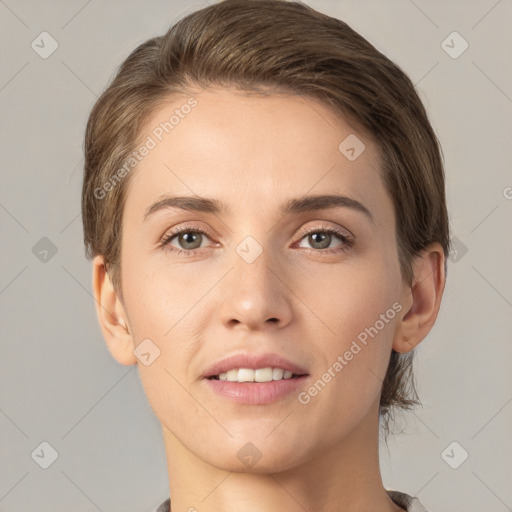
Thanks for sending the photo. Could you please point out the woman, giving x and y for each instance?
(264, 202)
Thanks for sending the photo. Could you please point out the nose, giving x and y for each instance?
(255, 294)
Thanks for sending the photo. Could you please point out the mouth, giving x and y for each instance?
(267, 374)
(247, 367)
(255, 379)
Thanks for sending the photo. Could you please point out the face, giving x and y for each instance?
(316, 288)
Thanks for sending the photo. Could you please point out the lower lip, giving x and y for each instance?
(257, 393)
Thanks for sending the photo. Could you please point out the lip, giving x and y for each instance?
(255, 393)
(253, 361)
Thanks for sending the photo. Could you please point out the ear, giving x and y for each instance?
(111, 315)
(422, 299)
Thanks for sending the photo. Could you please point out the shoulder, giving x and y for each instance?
(165, 506)
(411, 504)
(404, 500)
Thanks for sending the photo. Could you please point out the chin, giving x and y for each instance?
(254, 457)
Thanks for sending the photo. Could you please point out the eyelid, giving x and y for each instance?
(328, 227)
(343, 233)
(184, 228)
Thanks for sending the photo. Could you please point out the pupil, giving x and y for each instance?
(190, 239)
(323, 236)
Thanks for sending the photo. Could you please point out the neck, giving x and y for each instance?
(341, 478)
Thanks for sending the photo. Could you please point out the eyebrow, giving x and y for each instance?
(299, 205)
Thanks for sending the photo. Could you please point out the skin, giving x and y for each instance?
(253, 153)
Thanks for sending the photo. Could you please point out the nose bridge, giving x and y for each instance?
(255, 265)
(254, 293)
(252, 238)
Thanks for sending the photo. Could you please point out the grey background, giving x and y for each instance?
(58, 382)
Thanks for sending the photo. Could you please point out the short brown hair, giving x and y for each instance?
(291, 48)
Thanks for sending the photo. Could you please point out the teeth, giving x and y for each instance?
(277, 373)
(245, 375)
(231, 375)
(259, 375)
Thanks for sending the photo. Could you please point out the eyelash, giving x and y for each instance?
(344, 237)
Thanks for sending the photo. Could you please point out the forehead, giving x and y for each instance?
(250, 151)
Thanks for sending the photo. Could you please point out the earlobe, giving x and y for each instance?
(111, 315)
(424, 297)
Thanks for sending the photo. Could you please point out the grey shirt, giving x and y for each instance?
(403, 500)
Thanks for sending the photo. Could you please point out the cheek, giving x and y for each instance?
(360, 307)
(364, 312)
(157, 303)
(155, 293)
(348, 299)
(169, 306)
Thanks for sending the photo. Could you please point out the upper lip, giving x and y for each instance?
(253, 361)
